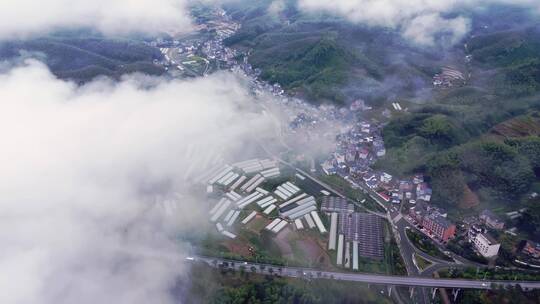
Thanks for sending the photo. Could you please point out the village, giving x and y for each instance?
(410, 198)
(201, 53)
(359, 144)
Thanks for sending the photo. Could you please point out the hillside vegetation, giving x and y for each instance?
(83, 58)
(514, 56)
(482, 137)
(325, 59)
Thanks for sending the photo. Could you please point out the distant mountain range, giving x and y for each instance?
(82, 58)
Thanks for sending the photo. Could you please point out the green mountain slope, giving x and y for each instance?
(325, 59)
(82, 59)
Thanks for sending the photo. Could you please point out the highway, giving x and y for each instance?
(411, 281)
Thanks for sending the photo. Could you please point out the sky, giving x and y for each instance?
(83, 169)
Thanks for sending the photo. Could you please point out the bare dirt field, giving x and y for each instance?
(470, 199)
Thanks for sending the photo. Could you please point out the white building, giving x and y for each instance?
(386, 178)
(486, 245)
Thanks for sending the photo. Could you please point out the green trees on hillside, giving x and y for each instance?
(489, 164)
(270, 291)
(317, 66)
(438, 129)
(276, 290)
(516, 55)
(83, 58)
(528, 147)
(508, 295)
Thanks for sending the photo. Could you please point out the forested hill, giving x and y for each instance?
(327, 59)
(513, 56)
(82, 58)
(481, 139)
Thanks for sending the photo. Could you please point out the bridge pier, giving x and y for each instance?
(412, 292)
(434, 293)
(455, 293)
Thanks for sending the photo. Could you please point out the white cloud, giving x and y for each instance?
(81, 167)
(21, 18)
(419, 20)
(276, 7)
(24, 18)
(425, 29)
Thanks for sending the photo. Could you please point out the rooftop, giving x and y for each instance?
(489, 214)
(366, 229)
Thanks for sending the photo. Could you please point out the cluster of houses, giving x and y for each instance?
(356, 151)
(214, 50)
(487, 246)
(432, 221)
(448, 77)
(531, 252)
(359, 105)
(477, 234)
(397, 191)
(188, 53)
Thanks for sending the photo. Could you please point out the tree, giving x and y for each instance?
(438, 130)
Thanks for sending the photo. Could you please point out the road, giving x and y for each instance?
(411, 281)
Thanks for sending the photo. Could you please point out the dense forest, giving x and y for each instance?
(514, 295)
(483, 138)
(226, 286)
(84, 57)
(326, 59)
